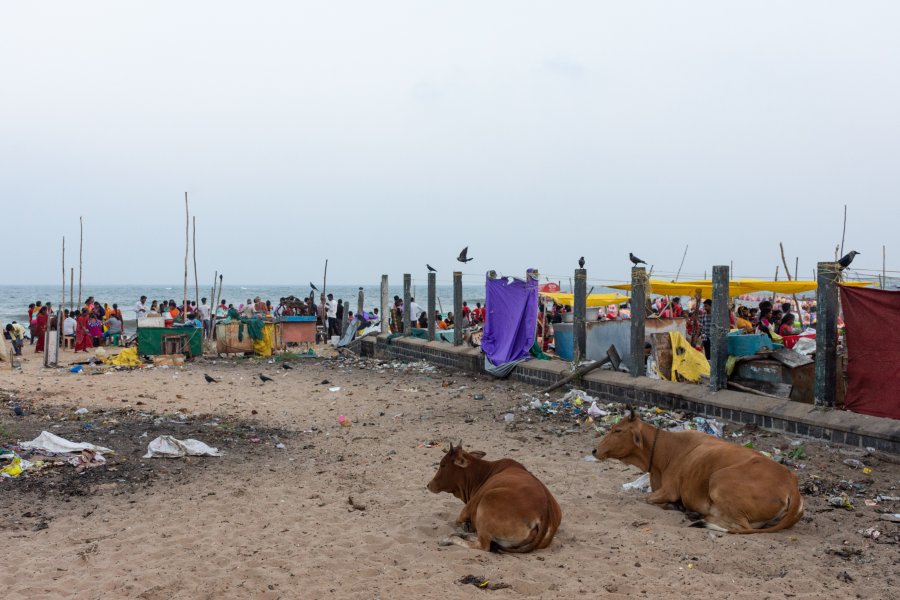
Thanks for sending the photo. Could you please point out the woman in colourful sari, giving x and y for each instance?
(40, 327)
(82, 339)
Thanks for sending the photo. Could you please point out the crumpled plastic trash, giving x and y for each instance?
(15, 468)
(87, 458)
(166, 446)
(76, 369)
(126, 358)
(49, 442)
(641, 484)
(596, 411)
(82, 411)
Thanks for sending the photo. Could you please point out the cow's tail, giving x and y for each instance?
(793, 513)
(528, 544)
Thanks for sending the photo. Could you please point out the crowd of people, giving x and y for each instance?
(418, 316)
(94, 324)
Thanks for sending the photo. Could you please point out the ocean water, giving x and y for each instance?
(14, 299)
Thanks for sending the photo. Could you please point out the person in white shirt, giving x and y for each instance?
(331, 314)
(204, 311)
(415, 311)
(140, 309)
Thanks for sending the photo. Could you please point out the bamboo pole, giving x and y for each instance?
(883, 267)
(844, 231)
(787, 272)
(212, 307)
(71, 288)
(187, 223)
(62, 304)
(196, 280)
(80, 254)
(682, 262)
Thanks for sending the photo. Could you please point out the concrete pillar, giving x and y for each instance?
(360, 301)
(432, 285)
(638, 314)
(826, 333)
(407, 327)
(385, 306)
(457, 308)
(579, 308)
(718, 336)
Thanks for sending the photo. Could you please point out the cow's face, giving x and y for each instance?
(622, 440)
(450, 474)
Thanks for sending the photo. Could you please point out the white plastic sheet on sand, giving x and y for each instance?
(641, 484)
(165, 446)
(49, 442)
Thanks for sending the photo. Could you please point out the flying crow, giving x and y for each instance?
(635, 260)
(313, 286)
(462, 255)
(847, 259)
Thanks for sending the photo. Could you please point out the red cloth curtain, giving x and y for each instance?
(873, 351)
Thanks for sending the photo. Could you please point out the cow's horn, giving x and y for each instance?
(631, 413)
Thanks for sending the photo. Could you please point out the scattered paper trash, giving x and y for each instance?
(15, 468)
(82, 411)
(590, 458)
(871, 533)
(891, 517)
(280, 446)
(509, 417)
(344, 421)
(842, 501)
(595, 411)
(166, 446)
(641, 484)
(49, 442)
(334, 389)
(87, 458)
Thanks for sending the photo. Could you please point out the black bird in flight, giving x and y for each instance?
(635, 260)
(430, 268)
(264, 379)
(313, 286)
(847, 259)
(463, 255)
(286, 366)
(581, 263)
(209, 379)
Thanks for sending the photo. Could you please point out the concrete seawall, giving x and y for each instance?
(794, 418)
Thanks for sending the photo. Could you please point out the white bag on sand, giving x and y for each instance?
(49, 442)
(641, 484)
(165, 446)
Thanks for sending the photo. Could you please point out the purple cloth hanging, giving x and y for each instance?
(510, 324)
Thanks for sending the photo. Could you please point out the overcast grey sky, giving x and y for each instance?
(384, 135)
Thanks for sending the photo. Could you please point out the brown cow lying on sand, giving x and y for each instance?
(734, 489)
(509, 509)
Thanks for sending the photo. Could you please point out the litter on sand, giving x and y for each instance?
(166, 446)
(641, 484)
(49, 442)
(334, 389)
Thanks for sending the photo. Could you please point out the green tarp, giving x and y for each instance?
(150, 339)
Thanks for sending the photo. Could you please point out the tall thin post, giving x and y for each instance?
(360, 301)
(638, 314)
(196, 280)
(345, 316)
(883, 267)
(385, 306)
(826, 333)
(62, 303)
(457, 308)
(212, 307)
(80, 254)
(718, 336)
(407, 281)
(580, 311)
(187, 227)
(71, 288)
(432, 284)
(216, 304)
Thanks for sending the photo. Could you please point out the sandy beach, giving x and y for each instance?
(342, 512)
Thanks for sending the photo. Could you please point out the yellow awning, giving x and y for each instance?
(736, 287)
(592, 300)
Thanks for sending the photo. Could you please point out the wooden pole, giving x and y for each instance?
(385, 306)
(797, 274)
(196, 280)
(638, 364)
(212, 307)
(80, 254)
(218, 299)
(187, 227)
(718, 336)
(579, 309)
(62, 304)
(883, 267)
(826, 333)
(407, 280)
(71, 288)
(457, 308)
(682, 262)
(360, 301)
(844, 231)
(432, 284)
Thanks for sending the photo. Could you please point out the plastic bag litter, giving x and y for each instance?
(596, 411)
(49, 442)
(87, 458)
(577, 397)
(126, 358)
(165, 446)
(641, 484)
(15, 468)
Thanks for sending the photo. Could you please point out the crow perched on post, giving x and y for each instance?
(430, 268)
(847, 259)
(635, 260)
(581, 263)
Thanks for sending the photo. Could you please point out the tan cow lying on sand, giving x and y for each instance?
(734, 489)
(509, 509)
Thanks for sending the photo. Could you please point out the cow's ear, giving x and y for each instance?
(636, 438)
(461, 460)
(477, 453)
